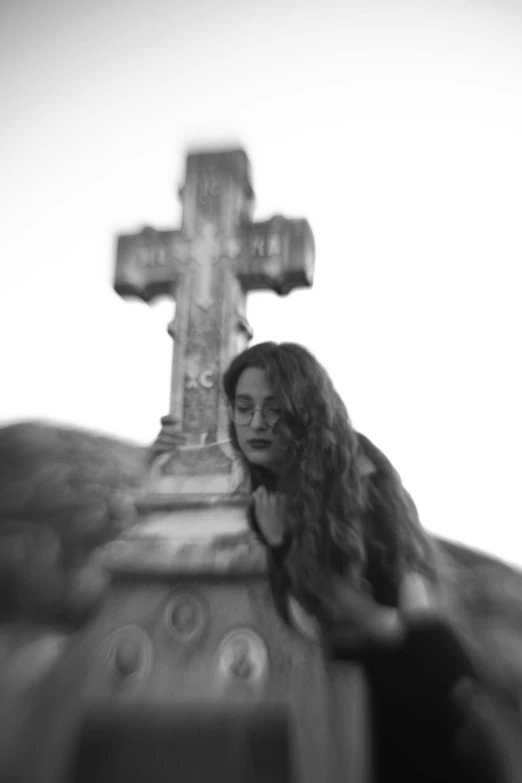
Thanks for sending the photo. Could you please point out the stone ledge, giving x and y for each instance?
(158, 501)
(157, 557)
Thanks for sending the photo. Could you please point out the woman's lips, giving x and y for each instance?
(259, 444)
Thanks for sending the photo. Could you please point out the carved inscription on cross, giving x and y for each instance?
(208, 267)
(206, 251)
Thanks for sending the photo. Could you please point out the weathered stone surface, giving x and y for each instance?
(27, 656)
(201, 644)
(153, 557)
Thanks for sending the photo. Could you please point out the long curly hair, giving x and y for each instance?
(335, 512)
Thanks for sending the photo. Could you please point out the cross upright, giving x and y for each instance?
(208, 267)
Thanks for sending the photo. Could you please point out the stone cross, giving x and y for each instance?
(208, 267)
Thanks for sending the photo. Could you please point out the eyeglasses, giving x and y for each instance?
(242, 413)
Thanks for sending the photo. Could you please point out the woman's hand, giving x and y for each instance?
(270, 511)
(357, 620)
(416, 599)
(169, 438)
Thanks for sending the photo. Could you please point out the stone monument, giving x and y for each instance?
(208, 267)
(189, 672)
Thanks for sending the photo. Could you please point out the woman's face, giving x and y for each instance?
(256, 438)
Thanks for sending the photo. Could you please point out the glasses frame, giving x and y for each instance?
(260, 408)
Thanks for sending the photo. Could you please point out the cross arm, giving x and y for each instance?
(146, 264)
(277, 254)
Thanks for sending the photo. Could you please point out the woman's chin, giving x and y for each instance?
(260, 459)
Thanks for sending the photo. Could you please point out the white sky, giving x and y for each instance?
(394, 128)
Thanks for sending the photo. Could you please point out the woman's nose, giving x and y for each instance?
(258, 421)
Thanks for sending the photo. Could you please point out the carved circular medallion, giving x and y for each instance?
(241, 660)
(186, 616)
(129, 653)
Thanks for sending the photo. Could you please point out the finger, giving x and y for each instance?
(160, 444)
(160, 449)
(172, 435)
(166, 443)
(173, 432)
(168, 420)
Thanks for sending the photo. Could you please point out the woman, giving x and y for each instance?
(350, 561)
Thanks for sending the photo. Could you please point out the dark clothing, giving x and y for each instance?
(415, 721)
(385, 589)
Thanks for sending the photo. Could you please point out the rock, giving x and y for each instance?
(64, 492)
(86, 587)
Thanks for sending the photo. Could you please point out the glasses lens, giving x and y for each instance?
(242, 414)
(271, 416)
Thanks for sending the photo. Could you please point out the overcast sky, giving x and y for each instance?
(394, 128)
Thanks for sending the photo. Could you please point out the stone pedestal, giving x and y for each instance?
(190, 628)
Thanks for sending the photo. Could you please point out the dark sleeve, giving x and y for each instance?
(385, 586)
(277, 573)
(280, 552)
(277, 553)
